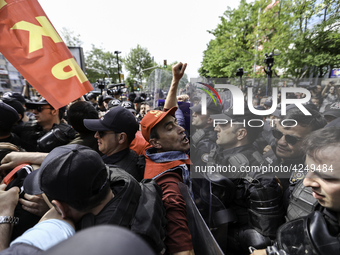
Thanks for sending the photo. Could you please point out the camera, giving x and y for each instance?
(100, 84)
(116, 89)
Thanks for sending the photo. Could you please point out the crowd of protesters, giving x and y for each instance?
(109, 159)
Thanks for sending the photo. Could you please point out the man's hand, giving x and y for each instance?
(13, 159)
(178, 71)
(259, 252)
(177, 74)
(266, 149)
(8, 200)
(8, 146)
(34, 204)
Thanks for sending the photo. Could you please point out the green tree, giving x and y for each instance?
(306, 33)
(130, 82)
(137, 60)
(101, 63)
(233, 46)
(70, 38)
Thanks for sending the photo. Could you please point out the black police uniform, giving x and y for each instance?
(298, 200)
(249, 202)
(315, 234)
(202, 142)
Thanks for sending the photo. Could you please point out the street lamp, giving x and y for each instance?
(118, 52)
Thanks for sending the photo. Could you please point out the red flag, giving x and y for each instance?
(30, 42)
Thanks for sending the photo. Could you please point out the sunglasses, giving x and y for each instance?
(40, 109)
(101, 134)
(289, 138)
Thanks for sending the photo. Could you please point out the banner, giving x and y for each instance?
(30, 42)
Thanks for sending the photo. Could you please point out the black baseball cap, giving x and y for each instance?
(108, 97)
(332, 110)
(11, 101)
(8, 115)
(211, 106)
(91, 96)
(128, 105)
(139, 100)
(16, 96)
(117, 119)
(334, 123)
(113, 103)
(67, 174)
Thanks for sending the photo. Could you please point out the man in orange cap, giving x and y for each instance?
(167, 163)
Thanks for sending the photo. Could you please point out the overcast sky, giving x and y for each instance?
(175, 30)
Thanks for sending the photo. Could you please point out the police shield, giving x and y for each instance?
(203, 241)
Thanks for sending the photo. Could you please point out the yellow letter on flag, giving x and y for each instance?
(36, 32)
(60, 74)
(30, 42)
(2, 3)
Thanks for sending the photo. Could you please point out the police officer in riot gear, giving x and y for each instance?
(204, 137)
(318, 233)
(288, 152)
(202, 142)
(239, 195)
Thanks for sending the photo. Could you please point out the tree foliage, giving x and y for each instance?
(101, 63)
(306, 33)
(137, 60)
(233, 46)
(70, 38)
(308, 41)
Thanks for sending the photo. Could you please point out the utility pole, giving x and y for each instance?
(118, 52)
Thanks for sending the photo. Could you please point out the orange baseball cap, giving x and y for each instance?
(152, 118)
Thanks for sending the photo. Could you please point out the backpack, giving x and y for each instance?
(138, 206)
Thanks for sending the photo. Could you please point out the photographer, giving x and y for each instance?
(330, 94)
(46, 131)
(316, 91)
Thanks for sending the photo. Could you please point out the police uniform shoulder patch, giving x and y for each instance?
(297, 176)
(205, 157)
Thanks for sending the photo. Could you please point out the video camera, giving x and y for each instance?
(116, 89)
(100, 84)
